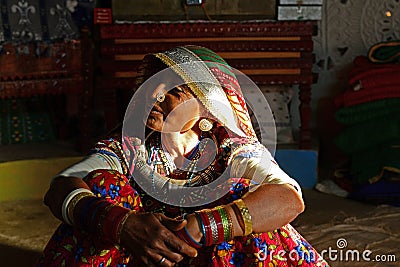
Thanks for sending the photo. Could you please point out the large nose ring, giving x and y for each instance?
(160, 97)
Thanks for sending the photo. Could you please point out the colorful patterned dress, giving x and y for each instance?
(72, 247)
(213, 83)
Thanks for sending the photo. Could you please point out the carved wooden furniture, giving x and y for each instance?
(269, 52)
(50, 69)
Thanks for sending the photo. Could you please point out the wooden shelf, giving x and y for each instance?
(269, 52)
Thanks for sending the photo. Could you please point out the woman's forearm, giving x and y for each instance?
(71, 178)
(270, 206)
(59, 189)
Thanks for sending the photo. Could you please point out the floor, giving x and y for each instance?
(33, 151)
(26, 225)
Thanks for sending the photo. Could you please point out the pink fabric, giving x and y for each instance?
(351, 98)
(370, 82)
(363, 68)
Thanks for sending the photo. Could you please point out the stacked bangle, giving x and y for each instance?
(121, 225)
(244, 214)
(215, 224)
(96, 215)
(207, 228)
(105, 219)
(213, 227)
(220, 227)
(70, 202)
(226, 222)
(109, 222)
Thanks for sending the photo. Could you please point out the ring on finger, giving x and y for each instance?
(161, 261)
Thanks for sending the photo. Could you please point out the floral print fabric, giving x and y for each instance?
(72, 247)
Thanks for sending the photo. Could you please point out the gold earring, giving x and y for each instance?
(160, 97)
(205, 125)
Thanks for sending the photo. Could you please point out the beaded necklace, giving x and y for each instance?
(192, 165)
(165, 166)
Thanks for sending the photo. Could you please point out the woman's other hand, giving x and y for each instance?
(193, 227)
(149, 237)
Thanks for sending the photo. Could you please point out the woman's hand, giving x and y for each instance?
(149, 237)
(193, 227)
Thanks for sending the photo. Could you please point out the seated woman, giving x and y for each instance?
(192, 187)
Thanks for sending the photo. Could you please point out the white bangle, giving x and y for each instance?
(67, 200)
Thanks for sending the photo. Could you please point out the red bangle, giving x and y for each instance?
(100, 217)
(110, 222)
(121, 225)
(207, 228)
(218, 220)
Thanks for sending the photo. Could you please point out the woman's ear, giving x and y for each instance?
(205, 125)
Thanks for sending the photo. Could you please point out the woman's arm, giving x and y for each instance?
(275, 202)
(271, 206)
(71, 178)
(147, 236)
(59, 189)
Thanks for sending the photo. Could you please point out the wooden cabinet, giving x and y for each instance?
(50, 69)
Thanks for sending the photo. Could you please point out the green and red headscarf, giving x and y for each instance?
(214, 83)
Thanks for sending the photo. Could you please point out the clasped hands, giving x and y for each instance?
(150, 238)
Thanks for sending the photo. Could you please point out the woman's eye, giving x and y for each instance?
(176, 91)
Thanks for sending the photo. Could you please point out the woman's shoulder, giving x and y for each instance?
(232, 145)
(226, 139)
(108, 148)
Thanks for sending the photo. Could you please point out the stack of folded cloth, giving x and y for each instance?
(370, 110)
(369, 82)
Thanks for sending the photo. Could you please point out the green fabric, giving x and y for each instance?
(24, 120)
(385, 52)
(372, 138)
(368, 111)
(209, 56)
(366, 135)
(368, 165)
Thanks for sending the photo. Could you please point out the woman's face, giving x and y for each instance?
(178, 112)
